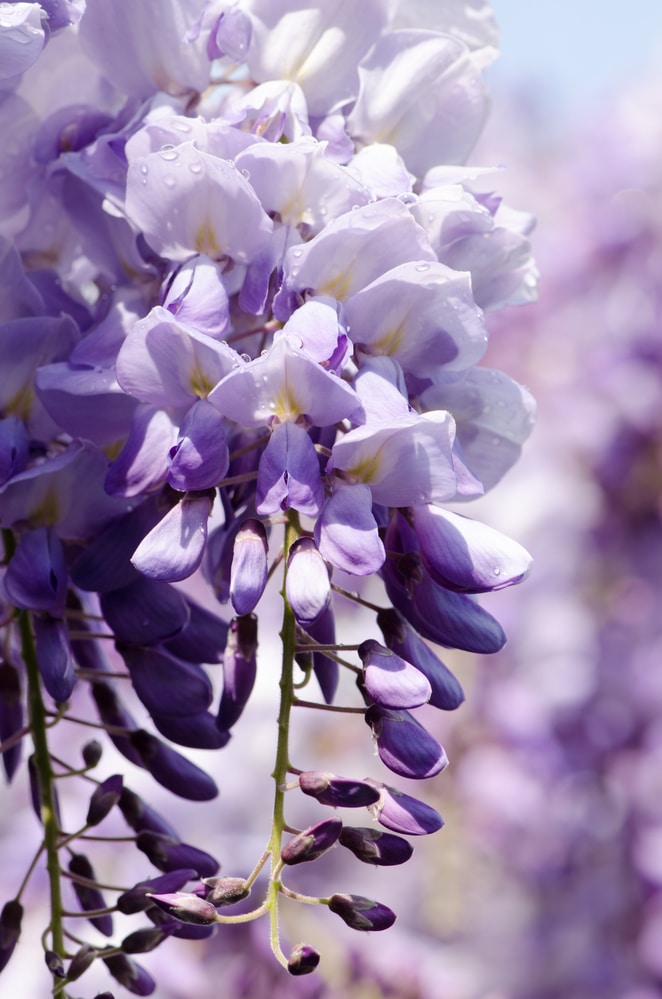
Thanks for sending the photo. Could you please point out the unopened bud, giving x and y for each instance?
(186, 907)
(104, 798)
(92, 753)
(311, 843)
(10, 929)
(225, 891)
(362, 913)
(142, 941)
(373, 846)
(55, 964)
(340, 792)
(303, 959)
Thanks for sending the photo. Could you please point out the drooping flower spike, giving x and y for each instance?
(241, 315)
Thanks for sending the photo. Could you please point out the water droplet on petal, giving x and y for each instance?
(169, 181)
(423, 266)
(496, 570)
(245, 173)
(169, 153)
(144, 169)
(195, 167)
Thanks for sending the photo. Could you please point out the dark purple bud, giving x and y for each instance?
(303, 959)
(183, 688)
(184, 931)
(141, 816)
(307, 585)
(404, 746)
(168, 854)
(403, 813)
(55, 964)
(172, 770)
(145, 612)
(390, 680)
(92, 753)
(89, 897)
(11, 715)
(311, 843)
(136, 898)
(225, 891)
(186, 907)
(104, 995)
(113, 714)
(399, 636)
(130, 975)
(104, 798)
(326, 670)
(239, 670)
(193, 731)
(142, 941)
(202, 639)
(362, 913)
(373, 846)
(54, 656)
(10, 929)
(14, 446)
(339, 792)
(248, 572)
(81, 961)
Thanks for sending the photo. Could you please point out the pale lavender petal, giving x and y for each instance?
(200, 458)
(390, 680)
(142, 463)
(186, 201)
(289, 474)
(248, 572)
(347, 534)
(466, 555)
(307, 584)
(173, 549)
(405, 461)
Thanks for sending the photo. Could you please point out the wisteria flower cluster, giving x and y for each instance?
(244, 283)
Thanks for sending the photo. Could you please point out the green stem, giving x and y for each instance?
(38, 720)
(288, 636)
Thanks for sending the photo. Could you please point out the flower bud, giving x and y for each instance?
(362, 913)
(104, 797)
(390, 680)
(403, 813)
(130, 975)
(92, 752)
(303, 959)
(307, 584)
(81, 961)
(55, 964)
(187, 907)
(169, 854)
(225, 891)
(10, 929)
(339, 792)
(11, 715)
(373, 846)
(404, 746)
(248, 572)
(89, 897)
(311, 843)
(136, 899)
(142, 941)
(239, 670)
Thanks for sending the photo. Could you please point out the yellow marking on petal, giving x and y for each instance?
(338, 287)
(199, 383)
(389, 342)
(364, 471)
(20, 405)
(205, 240)
(287, 406)
(47, 514)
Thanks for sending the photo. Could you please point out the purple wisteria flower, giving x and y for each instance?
(245, 273)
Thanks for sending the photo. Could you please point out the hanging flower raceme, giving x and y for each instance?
(242, 319)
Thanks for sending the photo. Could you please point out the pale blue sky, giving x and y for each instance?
(576, 50)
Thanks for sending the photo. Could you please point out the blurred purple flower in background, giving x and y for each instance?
(244, 293)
